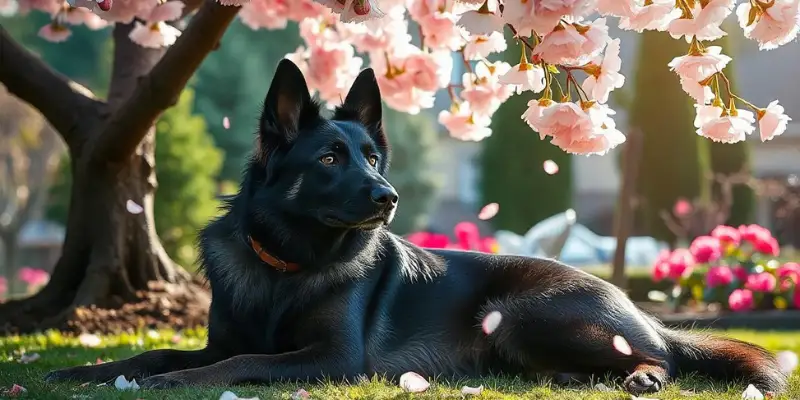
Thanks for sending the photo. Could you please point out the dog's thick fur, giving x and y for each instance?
(365, 301)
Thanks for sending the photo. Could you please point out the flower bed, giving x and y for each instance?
(467, 238)
(732, 269)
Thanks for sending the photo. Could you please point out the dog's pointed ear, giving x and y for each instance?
(287, 106)
(363, 105)
(363, 101)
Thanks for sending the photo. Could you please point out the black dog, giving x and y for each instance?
(307, 283)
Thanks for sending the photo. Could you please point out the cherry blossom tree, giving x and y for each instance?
(112, 252)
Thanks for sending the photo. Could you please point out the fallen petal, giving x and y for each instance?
(89, 340)
(413, 382)
(622, 346)
(472, 390)
(787, 360)
(133, 208)
(29, 358)
(98, 361)
(550, 167)
(300, 394)
(122, 384)
(751, 393)
(15, 391)
(641, 398)
(226, 123)
(491, 321)
(228, 395)
(488, 211)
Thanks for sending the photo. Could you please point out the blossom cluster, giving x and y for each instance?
(733, 266)
(567, 38)
(467, 238)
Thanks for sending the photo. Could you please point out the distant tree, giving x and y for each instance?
(512, 172)
(675, 157)
(413, 139)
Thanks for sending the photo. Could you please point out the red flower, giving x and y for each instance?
(727, 234)
(706, 249)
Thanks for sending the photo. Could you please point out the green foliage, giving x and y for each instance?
(186, 164)
(512, 172)
(219, 93)
(731, 158)
(413, 139)
(674, 158)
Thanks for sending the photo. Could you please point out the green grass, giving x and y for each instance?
(59, 351)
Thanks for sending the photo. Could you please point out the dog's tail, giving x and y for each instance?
(724, 359)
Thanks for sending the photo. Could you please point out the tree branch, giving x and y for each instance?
(161, 88)
(62, 101)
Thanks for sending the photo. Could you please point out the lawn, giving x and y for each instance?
(58, 351)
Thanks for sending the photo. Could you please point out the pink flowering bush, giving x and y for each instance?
(735, 267)
(34, 277)
(467, 238)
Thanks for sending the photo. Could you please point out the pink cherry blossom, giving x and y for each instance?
(602, 140)
(168, 11)
(533, 114)
(697, 67)
(772, 121)
(704, 22)
(154, 35)
(354, 11)
(711, 123)
(776, 22)
(53, 32)
(481, 21)
(483, 90)
(550, 167)
(565, 120)
(719, 276)
(561, 46)
(761, 282)
(83, 16)
(480, 46)
(702, 94)
(604, 73)
(654, 16)
(741, 300)
(614, 8)
(463, 124)
(525, 76)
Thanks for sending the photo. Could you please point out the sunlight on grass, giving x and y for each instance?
(57, 351)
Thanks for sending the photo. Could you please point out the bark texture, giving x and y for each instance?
(111, 257)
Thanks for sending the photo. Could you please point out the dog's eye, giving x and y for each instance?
(373, 160)
(328, 160)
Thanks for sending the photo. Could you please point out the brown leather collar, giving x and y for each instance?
(271, 260)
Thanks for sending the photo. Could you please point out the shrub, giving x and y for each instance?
(733, 267)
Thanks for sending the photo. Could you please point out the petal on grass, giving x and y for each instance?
(413, 382)
(468, 390)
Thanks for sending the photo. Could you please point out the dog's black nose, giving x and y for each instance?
(383, 195)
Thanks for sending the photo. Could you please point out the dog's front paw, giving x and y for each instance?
(641, 382)
(166, 381)
(93, 373)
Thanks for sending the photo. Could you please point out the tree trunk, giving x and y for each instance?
(113, 273)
